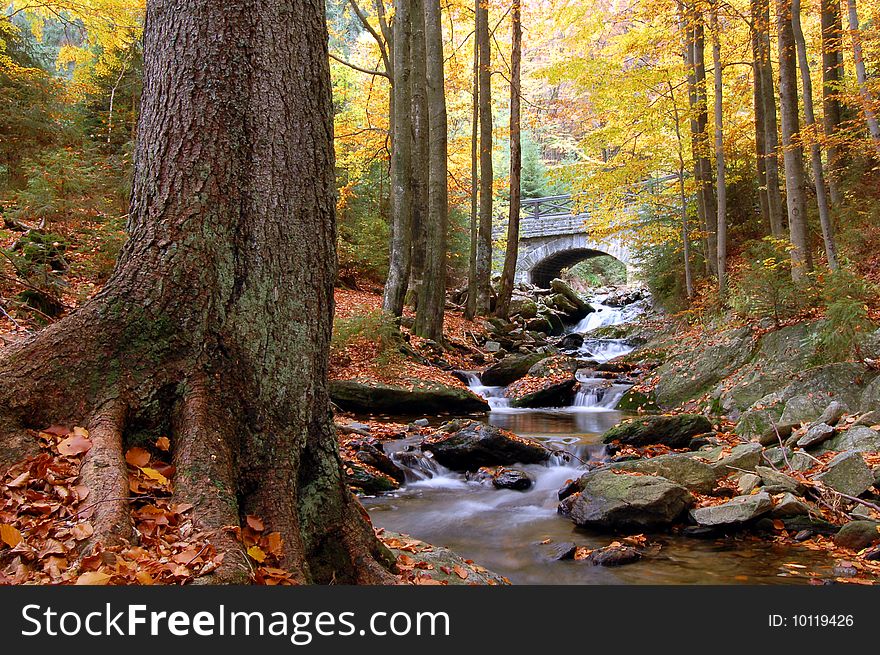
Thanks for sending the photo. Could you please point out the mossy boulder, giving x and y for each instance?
(474, 445)
(510, 369)
(409, 397)
(675, 431)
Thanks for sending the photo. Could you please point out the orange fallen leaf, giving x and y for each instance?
(76, 444)
(82, 531)
(255, 523)
(163, 443)
(460, 571)
(10, 535)
(137, 456)
(93, 578)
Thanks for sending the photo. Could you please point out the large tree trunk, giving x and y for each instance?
(795, 181)
(510, 256)
(815, 148)
(432, 296)
(720, 166)
(484, 240)
(419, 168)
(471, 307)
(832, 81)
(862, 75)
(215, 326)
(764, 70)
(705, 182)
(401, 165)
(760, 127)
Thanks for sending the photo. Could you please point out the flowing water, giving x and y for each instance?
(504, 530)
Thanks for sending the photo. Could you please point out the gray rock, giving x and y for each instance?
(580, 308)
(680, 468)
(416, 397)
(859, 438)
(614, 556)
(744, 456)
(491, 346)
(789, 505)
(422, 422)
(512, 479)
(509, 370)
(562, 551)
(549, 394)
(858, 534)
(475, 445)
(801, 461)
(747, 482)
(848, 474)
(615, 501)
(815, 435)
(778, 456)
(868, 419)
(801, 409)
(673, 431)
(739, 510)
(776, 481)
(832, 413)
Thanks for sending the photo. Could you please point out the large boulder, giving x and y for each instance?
(858, 438)
(510, 369)
(736, 511)
(692, 372)
(408, 397)
(474, 445)
(745, 456)
(547, 392)
(579, 307)
(673, 431)
(619, 501)
(848, 474)
(857, 535)
(680, 468)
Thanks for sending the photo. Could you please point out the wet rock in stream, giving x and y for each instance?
(475, 444)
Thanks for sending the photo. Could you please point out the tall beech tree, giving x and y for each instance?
(720, 165)
(432, 293)
(832, 83)
(471, 307)
(510, 256)
(419, 163)
(795, 181)
(215, 326)
(815, 147)
(484, 237)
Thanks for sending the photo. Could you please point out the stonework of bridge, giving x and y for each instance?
(552, 238)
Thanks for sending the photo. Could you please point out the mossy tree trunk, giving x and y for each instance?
(215, 326)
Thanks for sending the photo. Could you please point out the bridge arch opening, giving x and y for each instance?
(545, 270)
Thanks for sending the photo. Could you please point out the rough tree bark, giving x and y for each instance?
(815, 147)
(764, 70)
(832, 80)
(758, 99)
(720, 166)
(705, 183)
(862, 75)
(215, 326)
(432, 297)
(510, 256)
(471, 306)
(419, 167)
(793, 150)
(401, 163)
(484, 240)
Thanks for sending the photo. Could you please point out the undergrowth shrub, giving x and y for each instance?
(846, 324)
(375, 327)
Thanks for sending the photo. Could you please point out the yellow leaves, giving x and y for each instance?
(153, 474)
(10, 535)
(257, 554)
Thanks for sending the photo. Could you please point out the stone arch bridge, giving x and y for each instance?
(553, 238)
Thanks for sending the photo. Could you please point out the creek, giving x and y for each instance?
(511, 532)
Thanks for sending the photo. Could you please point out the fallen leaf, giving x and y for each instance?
(163, 443)
(75, 445)
(10, 535)
(137, 457)
(255, 523)
(256, 553)
(93, 578)
(275, 543)
(82, 531)
(460, 571)
(153, 474)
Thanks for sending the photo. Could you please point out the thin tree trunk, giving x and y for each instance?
(683, 199)
(484, 240)
(760, 127)
(214, 328)
(791, 142)
(419, 166)
(861, 74)
(815, 147)
(432, 298)
(471, 307)
(764, 62)
(720, 166)
(510, 256)
(401, 164)
(706, 183)
(832, 81)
